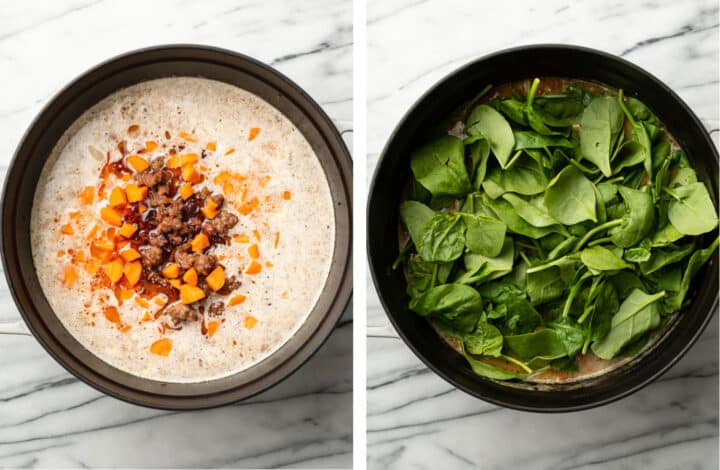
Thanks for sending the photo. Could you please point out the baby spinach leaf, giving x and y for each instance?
(523, 177)
(533, 211)
(484, 235)
(606, 306)
(560, 110)
(664, 256)
(692, 211)
(640, 112)
(485, 369)
(666, 235)
(536, 348)
(479, 268)
(443, 238)
(570, 335)
(534, 119)
(660, 153)
(599, 258)
(479, 155)
(456, 304)
(415, 215)
(504, 211)
(532, 140)
(544, 286)
(486, 121)
(601, 124)
(486, 340)
(637, 315)
(637, 220)
(520, 316)
(440, 167)
(425, 275)
(640, 141)
(513, 109)
(700, 257)
(683, 177)
(570, 197)
(639, 253)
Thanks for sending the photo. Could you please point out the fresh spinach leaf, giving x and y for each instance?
(637, 220)
(601, 124)
(415, 215)
(599, 258)
(489, 123)
(443, 238)
(537, 348)
(570, 197)
(486, 340)
(692, 211)
(544, 286)
(458, 305)
(533, 211)
(440, 167)
(525, 140)
(484, 236)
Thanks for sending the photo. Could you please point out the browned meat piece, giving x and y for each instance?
(157, 239)
(184, 257)
(152, 178)
(204, 264)
(218, 199)
(221, 224)
(157, 163)
(216, 308)
(170, 224)
(180, 313)
(231, 284)
(151, 255)
(175, 239)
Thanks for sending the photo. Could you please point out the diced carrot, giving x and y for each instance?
(125, 177)
(254, 131)
(171, 271)
(91, 234)
(125, 328)
(186, 190)
(241, 238)
(191, 175)
(112, 314)
(237, 299)
(92, 266)
(160, 300)
(138, 163)
(67, 229)
(70, 276)
(211, 209)
(175, 283)
(189, 159)
(253, 268)
(228, 189)
(216, 279)
(222, 177)
(79, 257)
(60, 253)
(212, 327)
(131, 254)
(287, 195)
(135, 193)
(87, 195)
(74, 215)
(200, 242)
(111, 216)
(117, 197)
(230, 151)
(127, 230)
(142, 302)
(142, 208)
(211, 146)
(146, 317)
(173, 162)
(256, 234)
(125, 294)
(114, 270)
(250, 322)
(268, 264)
(277, 239)
(253, 251)
(133, 271)
(133, 129)
(151, 145)
(161, 347)
(190, 294)
(191, 277)
(187, 137)
(103, 245)
(264, 181)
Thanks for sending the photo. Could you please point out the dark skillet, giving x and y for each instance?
(66, 107)
(393, 169)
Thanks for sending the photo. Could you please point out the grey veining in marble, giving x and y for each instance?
(417, 420)
(48, 418)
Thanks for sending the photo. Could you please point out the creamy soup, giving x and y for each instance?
(182, 229)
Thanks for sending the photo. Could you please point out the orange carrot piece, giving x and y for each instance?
(114, 270)
(230, 151)
(211, 209)
(268, 264)
(133, 271)
(160, 301)
(254, 131)
(200, 242)
(103, 245)
(135, 193)
(228, 189)
(112, 315)
(187, 137)
(250, 322)
(171, 271)
(126, 294)
(161, 347)
(189, 159)
(175, 283)
(125, 328)
(277, 239)
(253, 268)
(222, 177)
(173, 162)
(241, 238)
(256, 234)
(216, 279)
(117, 197)
(70, 276)
(127, 230)
(67, 229)
(190, 294)
(212, 328)
(237, 300)
(190, 174)
(142, 302)
(111, 216)
(186, 190)
(131, 254)
(151, 145)
(92, 266)
(287, 195)
(87, 195)
(191, 277)
(211, 146)
(146, 317)
(253, 251)
(138, 163)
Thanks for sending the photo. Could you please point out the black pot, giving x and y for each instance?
(393, 170)
(63, 110)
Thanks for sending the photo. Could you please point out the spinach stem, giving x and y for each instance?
(561, 247)
(599, 241)
(586, 344)
(533, 90)
(617, 179)
(621, 100)
(543, 267)
(401, 256)
(592, 232)
(586, 312)
(517, 363)
(571, 295)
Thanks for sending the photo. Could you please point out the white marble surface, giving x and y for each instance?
(49, 419)
(417, 420)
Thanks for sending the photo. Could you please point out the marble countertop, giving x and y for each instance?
(416, 419)
(50, 419)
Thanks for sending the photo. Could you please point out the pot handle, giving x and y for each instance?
(14, 328)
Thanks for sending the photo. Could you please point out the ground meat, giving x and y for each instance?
(221, 224)
(218, 199)
(175, 239)
(156, 199)
(204, 264)
(216, 308)
(231, 284)
(181, 312)
(151, 255)
(152, 178)
(157, 239)
(184, 257)
(157, 163)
